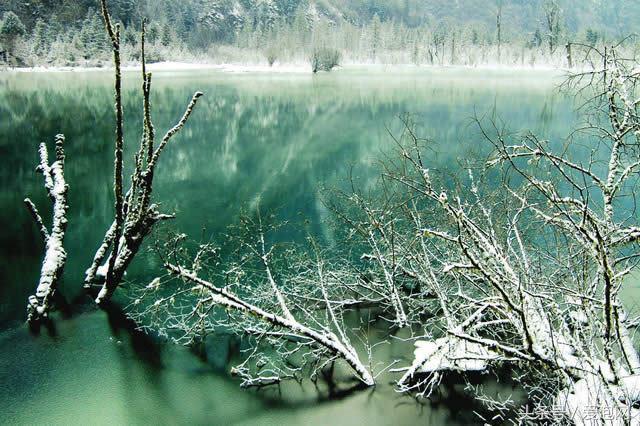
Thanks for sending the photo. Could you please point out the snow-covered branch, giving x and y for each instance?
(517, 261)
(296, 310)
(530, 270)
(135, 215)
(327, 339)
(55, 255)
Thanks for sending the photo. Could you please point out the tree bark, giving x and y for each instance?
(55, 255)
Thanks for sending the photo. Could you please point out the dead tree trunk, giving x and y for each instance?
(139, 217)
(55, 255)
(499, 29)
(569, 57)
(135, 215)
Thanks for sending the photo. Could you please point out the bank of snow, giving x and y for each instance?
(175, 66)
(277, 68)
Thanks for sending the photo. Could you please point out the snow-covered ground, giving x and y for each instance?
(172, 66)
(276, 68)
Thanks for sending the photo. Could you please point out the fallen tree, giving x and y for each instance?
(519, 264)
(292, 318)
(528, 274)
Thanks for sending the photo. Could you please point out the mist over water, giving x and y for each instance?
(255, 139)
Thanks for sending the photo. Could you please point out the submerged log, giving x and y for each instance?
(55, 255)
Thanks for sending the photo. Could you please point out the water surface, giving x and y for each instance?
(272, 138)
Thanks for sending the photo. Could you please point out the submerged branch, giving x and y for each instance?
(324, 338)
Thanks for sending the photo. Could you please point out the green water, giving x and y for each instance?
(272, 138)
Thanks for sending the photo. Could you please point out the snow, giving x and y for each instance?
(55, 255)
(102, 270)
(178, 66)
(631, 387)
(451, 353)
(579, 317)
(296, 67)
(590, 402)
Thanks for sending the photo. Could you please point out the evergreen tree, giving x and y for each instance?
(91, 39)
(41, 40)
(126, 11)
(288, 8)
(362, 29)
(375, 37)
(166, 35)
(152, 34)
(11, 29)
(130, 36)
(55, 27)
(591, 37)
(267, 13)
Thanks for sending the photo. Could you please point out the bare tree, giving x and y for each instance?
(499, 29)
(292, 317)
(135, 214)
(517, 263)
(55, 255)
(530, 275)
(551, 11)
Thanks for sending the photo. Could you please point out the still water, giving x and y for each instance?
(273, 138)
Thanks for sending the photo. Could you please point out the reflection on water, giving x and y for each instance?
(276, 138)
(95, 372)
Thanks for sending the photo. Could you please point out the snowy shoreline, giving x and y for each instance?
(276, 68)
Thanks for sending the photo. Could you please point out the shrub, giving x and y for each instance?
(325, 59)
(272, 54)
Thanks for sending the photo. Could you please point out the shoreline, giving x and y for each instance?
(171, 66)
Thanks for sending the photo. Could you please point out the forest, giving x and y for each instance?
(468, 32)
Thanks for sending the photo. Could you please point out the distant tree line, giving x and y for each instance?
(470, 32)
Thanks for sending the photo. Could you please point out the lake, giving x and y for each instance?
(272, 140)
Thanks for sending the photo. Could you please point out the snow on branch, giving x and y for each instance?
(300, 319)
(55, 255)
(520, 258)
(516, 261)
(135, 214)
(327, 339)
